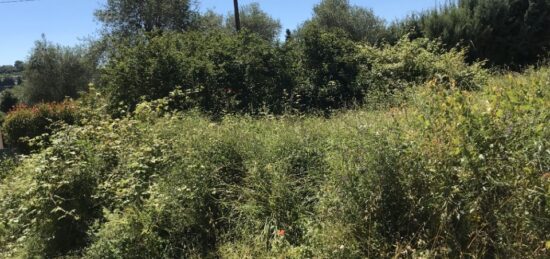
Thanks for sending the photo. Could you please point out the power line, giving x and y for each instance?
(15, 1)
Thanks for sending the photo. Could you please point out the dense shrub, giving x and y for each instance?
(7, 82)
(451, 173)
(327, 68)
(318, 71)
(413, 62)
(27, 122)
(220, 72)
(452, 177)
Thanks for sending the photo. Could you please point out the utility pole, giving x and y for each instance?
(1, 142)
(237, 15)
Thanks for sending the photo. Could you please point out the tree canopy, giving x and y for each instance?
(254, 19)
(132, 16)
(510, 33)
(361, 24)
(54, 72)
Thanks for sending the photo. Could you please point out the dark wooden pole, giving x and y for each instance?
(237, 15)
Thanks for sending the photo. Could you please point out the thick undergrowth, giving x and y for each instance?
(447, 173)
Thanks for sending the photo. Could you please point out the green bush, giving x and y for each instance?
(327, 69)
(451, 173)
(319, 71)
(25, 123)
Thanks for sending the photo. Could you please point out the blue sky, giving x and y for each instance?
(67, 22)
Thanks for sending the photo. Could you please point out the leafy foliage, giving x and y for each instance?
(450, 173)
(328, 67)
(452, 163)
(7, 82)
(318, 71)
(7, 163)
(9, 69)
(413, 62)
(218, 72)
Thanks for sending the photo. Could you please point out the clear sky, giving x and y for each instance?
(67, 22)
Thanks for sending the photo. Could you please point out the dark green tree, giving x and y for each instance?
(511, 33)
(7, 69)
(217, 72)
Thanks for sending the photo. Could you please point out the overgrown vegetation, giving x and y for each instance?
(225, 73)
(347, 140)
(449, 173)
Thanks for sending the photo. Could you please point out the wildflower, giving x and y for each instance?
(281, 232)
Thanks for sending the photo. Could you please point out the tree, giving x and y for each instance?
(253, 19)
(53, 73)
(134, 16)
(359, 23)
(511, 33)
(209, 21)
